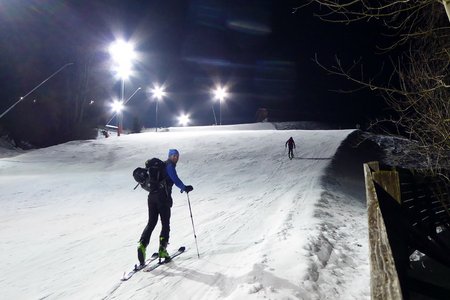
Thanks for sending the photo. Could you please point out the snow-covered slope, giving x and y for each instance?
(266, 226)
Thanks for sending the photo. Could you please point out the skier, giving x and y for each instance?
(291, 145)
(159, 204)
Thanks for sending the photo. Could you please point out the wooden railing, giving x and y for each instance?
(406, 212)
(384, 281)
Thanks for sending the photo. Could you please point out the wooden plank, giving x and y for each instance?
(384, 282)
(390, 183)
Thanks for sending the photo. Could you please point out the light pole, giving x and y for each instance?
(120, 125)
(35, 88)
(118, 107)
(214, 114)
(122, 54)
(158, 93)
(220, 93)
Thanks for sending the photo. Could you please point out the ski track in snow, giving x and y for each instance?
(267, 226)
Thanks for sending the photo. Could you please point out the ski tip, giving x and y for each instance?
(182, 249)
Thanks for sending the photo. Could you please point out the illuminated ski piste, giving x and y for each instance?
(267, 226)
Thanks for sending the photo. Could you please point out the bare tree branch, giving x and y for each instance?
(418, 89)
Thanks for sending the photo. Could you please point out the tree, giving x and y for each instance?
(86, 89)
(137, 126)
(418, 88)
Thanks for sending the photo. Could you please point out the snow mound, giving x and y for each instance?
(339, 252)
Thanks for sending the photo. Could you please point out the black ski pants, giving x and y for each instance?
(291, 152)
(155, 209)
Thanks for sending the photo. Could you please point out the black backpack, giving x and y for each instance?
(152, 178)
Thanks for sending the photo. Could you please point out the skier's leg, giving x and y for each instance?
(164, 211)
(145, 236)
(152, 221)
(165, 221)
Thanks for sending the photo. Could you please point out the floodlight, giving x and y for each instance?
(117, 106)
(220, 93)
(183, 119)
(158, 92)
(122, 52)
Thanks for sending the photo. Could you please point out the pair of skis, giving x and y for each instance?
(147, 267)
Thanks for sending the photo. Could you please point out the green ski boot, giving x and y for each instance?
(162, 253)
(141, 253)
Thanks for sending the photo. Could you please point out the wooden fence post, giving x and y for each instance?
(384, 281)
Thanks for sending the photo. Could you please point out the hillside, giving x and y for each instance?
(266, 226)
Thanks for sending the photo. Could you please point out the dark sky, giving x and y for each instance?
(260, 49)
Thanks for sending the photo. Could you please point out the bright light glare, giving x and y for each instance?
(123, 71)
(117, 106)
(158, 92)
(122, 52)
(220, 93)
(184, 119)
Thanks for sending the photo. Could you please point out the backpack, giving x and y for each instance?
(152, 178)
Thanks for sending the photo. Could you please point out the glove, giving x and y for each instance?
(188, 188)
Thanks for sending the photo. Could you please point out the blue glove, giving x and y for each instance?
(188, 188)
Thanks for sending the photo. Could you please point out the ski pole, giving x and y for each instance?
(193, 228)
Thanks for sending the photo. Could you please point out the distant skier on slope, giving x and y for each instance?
(290, 142)
(159, 204)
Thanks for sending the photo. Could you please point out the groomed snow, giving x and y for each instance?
(267, 226)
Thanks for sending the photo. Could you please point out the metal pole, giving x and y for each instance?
(132, 95)
(118, 123)
(35, 88)
(214, 114)
(192, 220)
(156, 117)
(220, 111)
(119, 128)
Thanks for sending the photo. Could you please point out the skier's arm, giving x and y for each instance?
(294, 144)
(173, 175)
(285, 145)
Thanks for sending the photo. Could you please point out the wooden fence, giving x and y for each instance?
(406, 212)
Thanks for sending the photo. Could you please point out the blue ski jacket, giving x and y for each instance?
(173, 176)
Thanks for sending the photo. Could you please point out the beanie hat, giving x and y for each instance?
(173, 152)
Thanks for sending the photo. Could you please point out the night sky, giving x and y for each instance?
(260, 49)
